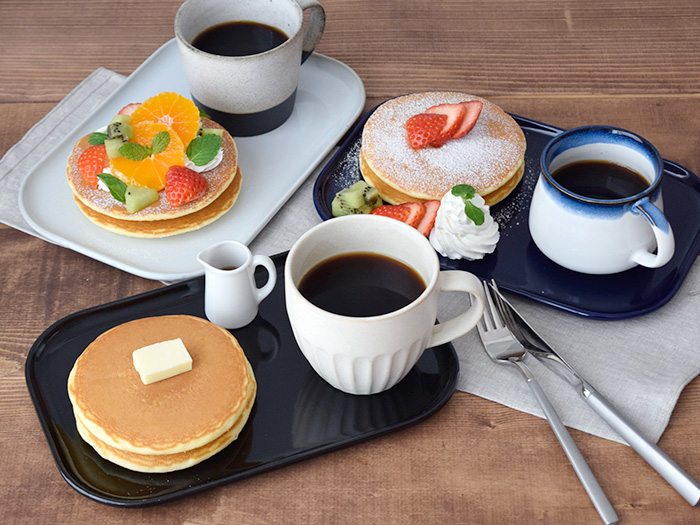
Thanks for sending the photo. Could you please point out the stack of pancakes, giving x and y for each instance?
(491, 157)
(160, 219)
(170, 424)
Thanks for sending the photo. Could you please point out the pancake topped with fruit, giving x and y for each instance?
(158, 168)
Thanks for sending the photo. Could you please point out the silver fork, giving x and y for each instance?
(503, 348)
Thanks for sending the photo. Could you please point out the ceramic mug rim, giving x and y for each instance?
(430, 286)
(654, 154)
(288, 42)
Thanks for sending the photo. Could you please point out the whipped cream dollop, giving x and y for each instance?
(207, 167)
(456, 236)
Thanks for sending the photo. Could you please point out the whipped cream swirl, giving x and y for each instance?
(456, 236)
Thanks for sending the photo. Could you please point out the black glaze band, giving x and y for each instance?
(250, 124)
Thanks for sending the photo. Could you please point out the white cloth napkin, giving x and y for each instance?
(641, 365)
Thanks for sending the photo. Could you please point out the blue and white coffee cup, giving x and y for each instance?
(595, 235)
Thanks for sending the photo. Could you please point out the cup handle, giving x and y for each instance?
(314, 28)
(665, 242)
(459, 281)
(266, 262)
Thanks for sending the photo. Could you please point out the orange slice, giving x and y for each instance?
(173, 110)
(149, 172)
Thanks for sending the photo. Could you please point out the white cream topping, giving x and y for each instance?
(209, 166)
(456, 236)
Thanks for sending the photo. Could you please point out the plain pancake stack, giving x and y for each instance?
(170, 424)
(160, 219)
(491, 157)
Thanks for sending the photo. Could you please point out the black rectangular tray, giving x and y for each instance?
(296, 415)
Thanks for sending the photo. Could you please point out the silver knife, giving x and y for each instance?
(652, 454)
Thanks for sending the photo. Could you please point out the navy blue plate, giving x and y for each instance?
(296, 414)
(518, 266)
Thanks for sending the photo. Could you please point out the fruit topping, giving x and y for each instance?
(358, 198)
(458, 120)
(455, 116)
(91, 163)
(138, 198)
(184, 185)
(129, 108)
(431, 209)
(411, 213)
(145, 162)
(424, 128)
(173, 110)
(473, 110)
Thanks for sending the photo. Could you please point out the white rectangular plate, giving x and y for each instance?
(330, 98)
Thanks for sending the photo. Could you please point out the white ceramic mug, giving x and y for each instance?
(601, 236)
(252, 94)
(366, 355)
(231, 296)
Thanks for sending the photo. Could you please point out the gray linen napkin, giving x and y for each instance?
(641, 365)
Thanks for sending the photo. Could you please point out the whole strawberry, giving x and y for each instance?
(92, 162)
(183, 185)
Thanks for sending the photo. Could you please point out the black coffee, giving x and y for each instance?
(361, 285)
(600, 180)
(234, 39)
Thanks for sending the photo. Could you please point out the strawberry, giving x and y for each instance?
(473, 110)
(92, 162)
(129, 108)
(431, 209)
(409, 212)
(183, 185)
(455, 115)
(424, 128)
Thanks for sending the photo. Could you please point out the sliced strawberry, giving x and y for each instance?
(183, 185)
(92, 162)
(473, 108)
(455, 115)
(424, 128)
(431, 209)
(409, 212)
(129, 108)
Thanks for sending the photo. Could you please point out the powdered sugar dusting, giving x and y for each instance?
(482, 158)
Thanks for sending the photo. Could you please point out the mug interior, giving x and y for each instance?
(364, 233)
(601, 143)
(195, 16)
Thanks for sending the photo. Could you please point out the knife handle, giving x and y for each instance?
(652, 454)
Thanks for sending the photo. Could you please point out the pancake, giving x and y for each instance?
(219, 179)
(167, 227)
(176, 415)
(168, 462)
(491, 157)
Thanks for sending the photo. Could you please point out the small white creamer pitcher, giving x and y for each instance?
(231, 296)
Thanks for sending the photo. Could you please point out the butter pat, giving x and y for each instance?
(162, 360)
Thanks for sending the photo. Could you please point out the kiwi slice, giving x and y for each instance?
(123, 119)
(112, 146)
(210, 131)
(122, 130)
(358, 198)
(137, 198)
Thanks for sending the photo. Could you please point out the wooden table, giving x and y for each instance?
(634, 64)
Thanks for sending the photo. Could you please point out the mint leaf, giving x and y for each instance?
(116, 187)
(134, 151)
(202, 150)
(463, 190)
(467, 193)
(474, 213)
(202, 114)
(95, 139)
(160, 142)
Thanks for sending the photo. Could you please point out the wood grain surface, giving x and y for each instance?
(634, 64)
